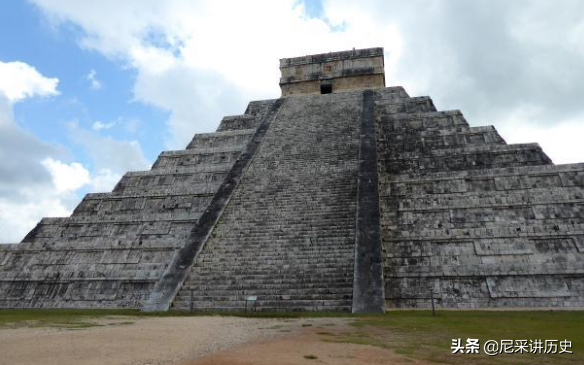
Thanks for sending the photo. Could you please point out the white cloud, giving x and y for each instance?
(22, 205)
(18, 217)
(487, 57)
(35, 178)
(94, 82)
(516, 65)
(55, 197)
(66, 177)
(97, 125)
(200, 110)
(560, 141)
(104, 180)
(34, 183)
(19, 80)
(26, 187)
(219, 60)
(107, 153)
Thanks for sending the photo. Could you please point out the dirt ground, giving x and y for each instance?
(191, 341)
(306, 346)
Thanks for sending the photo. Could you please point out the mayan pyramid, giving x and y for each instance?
(341, 195)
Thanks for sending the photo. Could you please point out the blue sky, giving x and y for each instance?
(27, 36)
(92, 89)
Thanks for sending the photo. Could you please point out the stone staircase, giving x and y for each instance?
(287, 236)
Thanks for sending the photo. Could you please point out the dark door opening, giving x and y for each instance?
(326, 89)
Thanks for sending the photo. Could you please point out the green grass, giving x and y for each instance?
(417, 334)
(61, 318)
(81, 318)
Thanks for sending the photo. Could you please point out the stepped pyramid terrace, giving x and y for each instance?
(341, 195)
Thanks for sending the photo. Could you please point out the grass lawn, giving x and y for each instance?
(13, 318)
(414, 334)
(62, 318)
(418, 335)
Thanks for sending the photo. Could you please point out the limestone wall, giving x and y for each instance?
(351, 83)
(475, 221)
(342, 71)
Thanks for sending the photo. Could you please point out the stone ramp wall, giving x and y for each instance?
(288, 233)
(116, 246)
(368, 285)
(475, 221)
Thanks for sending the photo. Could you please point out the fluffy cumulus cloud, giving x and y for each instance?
(38, 179)
(66, 177)
(110, 158)
(20, 152)
(493, 59)
(28, 184)
(514, 64)
(19, 80)
(206, 59)
(34, 182)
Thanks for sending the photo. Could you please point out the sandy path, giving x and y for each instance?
(192, 341)
(303, 347)
(152, 341)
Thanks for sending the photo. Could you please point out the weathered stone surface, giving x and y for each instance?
(368, 290)
(353, 200)
(288, 233)
(475, 221)
(336, 71)
(165, 290)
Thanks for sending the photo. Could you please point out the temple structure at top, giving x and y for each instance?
(333, 72)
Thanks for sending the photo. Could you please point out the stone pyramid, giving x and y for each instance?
(342, 195)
